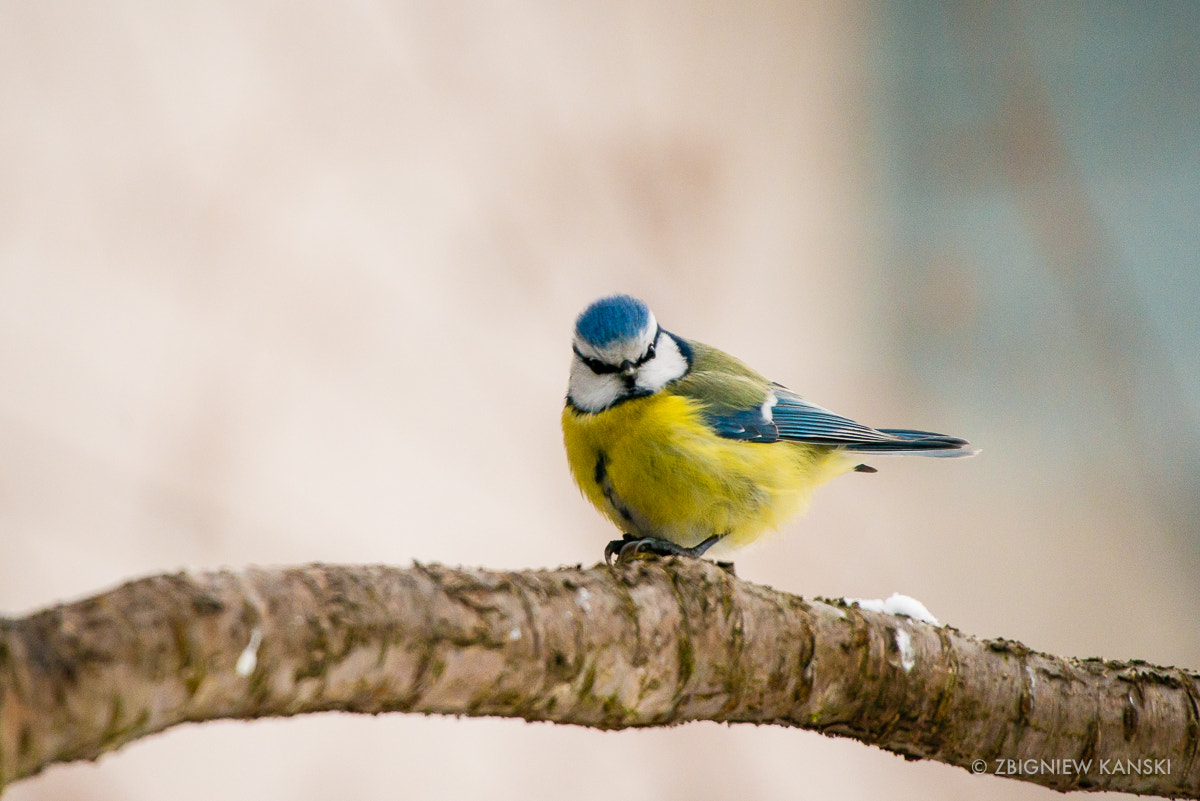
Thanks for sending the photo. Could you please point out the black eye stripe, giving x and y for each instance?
(600, 368)
(604, 368)
(647, 356)
(595, 365)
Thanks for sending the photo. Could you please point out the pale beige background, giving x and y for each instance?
(295, 282)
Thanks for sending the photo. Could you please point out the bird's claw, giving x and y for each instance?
(631, 547)
(634, 549)
(616, 548)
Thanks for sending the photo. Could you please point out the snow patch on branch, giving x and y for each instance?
(896, 604)
(248, 659)
(908, 657)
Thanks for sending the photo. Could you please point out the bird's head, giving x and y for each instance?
(621, 352)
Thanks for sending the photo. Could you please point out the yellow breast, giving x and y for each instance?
(655, 468)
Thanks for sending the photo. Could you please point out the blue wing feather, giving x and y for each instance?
(794, 419)
(802, 421)
(749, 425)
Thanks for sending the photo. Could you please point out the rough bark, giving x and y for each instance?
(648, 644)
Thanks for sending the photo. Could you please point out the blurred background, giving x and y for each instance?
(294, 282)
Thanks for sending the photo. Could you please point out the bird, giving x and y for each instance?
(683, 446)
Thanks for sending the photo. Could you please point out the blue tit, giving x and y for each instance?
(683, 446)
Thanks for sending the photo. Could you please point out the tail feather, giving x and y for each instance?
(904, 441)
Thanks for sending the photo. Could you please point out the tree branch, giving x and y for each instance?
(648, 644)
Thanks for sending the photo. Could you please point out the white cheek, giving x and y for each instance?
(666, 366)
(592, 392)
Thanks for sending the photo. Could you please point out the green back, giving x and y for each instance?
(722, 383)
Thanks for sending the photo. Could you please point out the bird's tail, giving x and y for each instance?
(915, 443)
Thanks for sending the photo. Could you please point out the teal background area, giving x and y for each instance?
(1041, 182)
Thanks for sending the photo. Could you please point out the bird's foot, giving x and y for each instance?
(614, 547)
(631, 547)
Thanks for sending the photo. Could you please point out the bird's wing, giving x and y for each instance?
(798, 420)
(734, 406)
(731, 395)
(738, 403)
(802, 421)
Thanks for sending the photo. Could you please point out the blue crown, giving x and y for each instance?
(612, 319)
